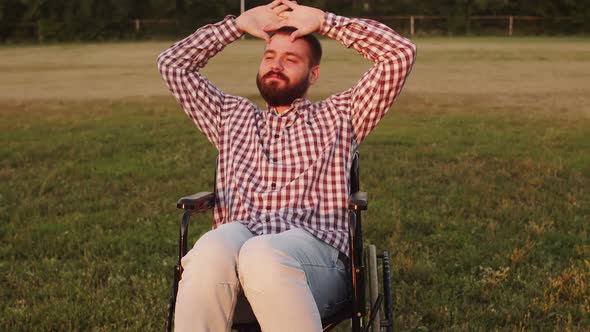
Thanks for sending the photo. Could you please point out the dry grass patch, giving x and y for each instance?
(543, 74)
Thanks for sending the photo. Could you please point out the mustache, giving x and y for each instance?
(279, 74)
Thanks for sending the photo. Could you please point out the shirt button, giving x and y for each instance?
(274, 160)
(267, 219)
(273, 186)
(277, 135)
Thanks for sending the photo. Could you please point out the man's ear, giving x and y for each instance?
(314, 74)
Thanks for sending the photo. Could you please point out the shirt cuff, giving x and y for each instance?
(343, 29)
(227, 31)
(332, 20)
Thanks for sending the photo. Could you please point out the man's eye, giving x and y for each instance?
(291, 60)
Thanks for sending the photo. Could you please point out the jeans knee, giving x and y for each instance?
(262, 266)
(210, 259)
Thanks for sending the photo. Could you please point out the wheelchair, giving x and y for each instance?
(372, 314)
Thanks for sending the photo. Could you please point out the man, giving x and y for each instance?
(280, 224)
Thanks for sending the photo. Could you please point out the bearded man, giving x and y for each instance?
(279, 238)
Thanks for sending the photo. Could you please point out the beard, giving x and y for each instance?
(275, 95)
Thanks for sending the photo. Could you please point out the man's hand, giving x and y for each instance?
(305, 19)
(253, 21)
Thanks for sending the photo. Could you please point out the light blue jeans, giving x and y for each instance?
(290, 281)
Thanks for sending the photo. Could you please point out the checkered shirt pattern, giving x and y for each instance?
(280, 172)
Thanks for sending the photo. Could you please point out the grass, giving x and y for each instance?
(478, 181)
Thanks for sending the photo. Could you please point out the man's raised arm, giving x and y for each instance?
(179, 65)
(393, 55)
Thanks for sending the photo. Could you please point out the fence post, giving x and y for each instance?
(412, 31)
(39, 31)
(242, 10)
(510, 25)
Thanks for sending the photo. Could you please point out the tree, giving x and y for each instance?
(106, 19)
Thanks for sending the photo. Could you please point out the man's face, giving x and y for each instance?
(284, 74)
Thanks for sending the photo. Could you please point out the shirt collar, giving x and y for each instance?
(299, 105)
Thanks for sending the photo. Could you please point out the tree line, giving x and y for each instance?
(64, 20)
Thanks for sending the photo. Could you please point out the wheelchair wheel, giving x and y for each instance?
(380, 304)
(374, 289)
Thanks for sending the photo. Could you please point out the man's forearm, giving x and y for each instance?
(193, 52)
(374, 40)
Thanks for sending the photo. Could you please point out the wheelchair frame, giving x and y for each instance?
(379, 317)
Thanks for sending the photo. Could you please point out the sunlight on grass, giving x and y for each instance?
(478, 182)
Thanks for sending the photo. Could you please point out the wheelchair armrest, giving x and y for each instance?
(358, 201)
(198, 202)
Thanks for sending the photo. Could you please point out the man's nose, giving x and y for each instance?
(277, 65)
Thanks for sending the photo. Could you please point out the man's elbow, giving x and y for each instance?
(160, 61)
(403, 51)
(411, 50)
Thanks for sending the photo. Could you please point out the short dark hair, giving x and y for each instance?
(312, 41)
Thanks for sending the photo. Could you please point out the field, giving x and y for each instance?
(479, 180)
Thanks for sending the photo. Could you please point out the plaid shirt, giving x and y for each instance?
(277, 172)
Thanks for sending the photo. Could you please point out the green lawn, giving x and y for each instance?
(479, 183)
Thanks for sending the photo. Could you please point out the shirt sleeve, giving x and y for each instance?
(392, 56)
(179, 66)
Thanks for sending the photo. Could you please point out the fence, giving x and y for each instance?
(506, 25)
(413, 25)
(408, 25)
(54, 30)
